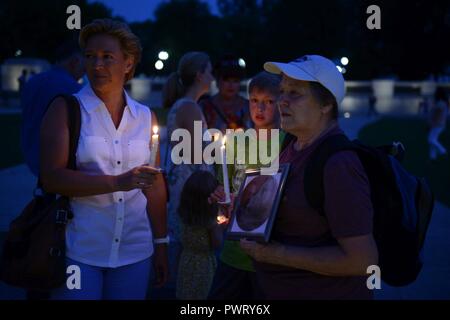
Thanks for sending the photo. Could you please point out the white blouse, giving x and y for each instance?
(112, 229)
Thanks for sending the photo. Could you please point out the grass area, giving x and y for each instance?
(412, 132)
(10, 140)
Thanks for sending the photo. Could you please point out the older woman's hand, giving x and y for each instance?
(261, 252)
(141, 177)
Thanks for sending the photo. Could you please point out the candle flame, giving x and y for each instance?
(221, 219)
(155, 129)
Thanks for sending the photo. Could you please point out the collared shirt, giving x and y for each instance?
(112, 229)
(37, 94)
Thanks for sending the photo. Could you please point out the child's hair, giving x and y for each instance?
(265, 81)
(194, 208)
(179, 81)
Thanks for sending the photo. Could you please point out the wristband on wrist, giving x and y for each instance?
(161, 240)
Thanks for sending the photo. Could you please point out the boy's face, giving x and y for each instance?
(263, 109)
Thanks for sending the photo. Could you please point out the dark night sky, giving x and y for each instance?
(140, 10)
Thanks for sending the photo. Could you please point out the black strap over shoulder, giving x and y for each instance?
(287, 140)
(74, 125)
(74, 128)
(313, 178)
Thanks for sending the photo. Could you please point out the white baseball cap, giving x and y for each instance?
(312, 68)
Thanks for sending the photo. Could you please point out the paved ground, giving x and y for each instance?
(16, 185)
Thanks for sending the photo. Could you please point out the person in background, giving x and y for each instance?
(22, 80)
(235, 278)
(437, 123)
(40, 90)
(424, 106)
(227, 108)
(201, 234)
(36, 95)
(181, 93)
(372, 106)
(118, 201)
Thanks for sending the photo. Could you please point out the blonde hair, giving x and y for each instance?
(179, 81)
(129, 42)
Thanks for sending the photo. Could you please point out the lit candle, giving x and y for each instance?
(154, 147)
(225, 171)
(221, 219)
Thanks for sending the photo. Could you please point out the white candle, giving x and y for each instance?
(226, 185)
(154, 147)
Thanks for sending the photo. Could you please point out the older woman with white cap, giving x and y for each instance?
(315, 255)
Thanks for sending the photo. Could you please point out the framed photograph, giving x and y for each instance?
(257, 205)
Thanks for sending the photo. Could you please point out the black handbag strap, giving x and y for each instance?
(74, 129)
(74, 125)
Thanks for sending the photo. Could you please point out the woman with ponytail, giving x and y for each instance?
(181, 93)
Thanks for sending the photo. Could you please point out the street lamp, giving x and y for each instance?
(163, 55)
(159, 65)
(344, 61)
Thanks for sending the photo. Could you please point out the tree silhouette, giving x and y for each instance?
(38, 27)
(410, 44)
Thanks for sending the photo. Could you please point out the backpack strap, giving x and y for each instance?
(287, 140)
(313, 177)
(74, 125)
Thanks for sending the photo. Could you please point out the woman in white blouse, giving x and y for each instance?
(119, 203)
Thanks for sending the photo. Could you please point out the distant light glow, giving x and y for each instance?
(344, 61)
(339, 68)
(343, 70)
(159, 65)
(347, 115)
(163, 55)
(18, 53)
(241, 62)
